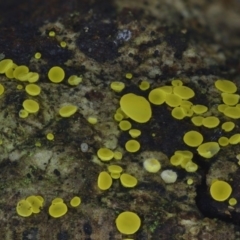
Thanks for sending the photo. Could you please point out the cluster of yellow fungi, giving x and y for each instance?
(33, 204)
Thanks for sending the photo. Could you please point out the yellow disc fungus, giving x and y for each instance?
(230, 98)
(92, 120)
(223, 141)
(190, 181)
(184, 162)
(210, 122)
(232, 112)
(221, 107)
(40, 198)
(134, 133)
(51, 34)
(144, 85)
(128, 180)
(9, 73)
(57, 200)
(136, 107)
(184, 154)
(33, 89)
(57, 210)
(63, 44)
(176, 160)
(199, 109)
(234, 139)
(104, 180)
(152, 165)
(30, 106)
(132, 146)
(105, 154)
(220, 190)
(21, 71)
(50, 136)
(37, 55)
(35, 203)
(226, 86)
(186, 104)
(173, 100)
(5, 65)
(187, 112)
(197, 121)
(193, 138)
(208, 149)
(169, 176)
(1, 89)
(128, 222)
(176, 82)
(191, 167)
(74, 80)
(115, 169)
(23, 113)
(32, 77)
(157, 96)
(125, 125)
(24, 208)
(115, 175)
(117, 155)
(183, 92)
(228, 126)
(166, 89)
(67, 111)
(56, 74)
(117, 86)
(118, 117)
(232, 201)
(75, 201)
(178, 113)
(129, 76)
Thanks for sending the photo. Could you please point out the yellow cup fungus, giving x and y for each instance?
(51, 34)
(128, 222)
(75, 201)
(67, 111)
(33, 89)
(221, 107)
(115, 169)
(134, 133)
(208, 149)
(105, 154)
(166, 89)
(63, 44)
(234, 139)
(176, 160)
(199, 109)
(21, 72)
(5, 64)
(57, 200)
(24, 208)
(232, 112)
(92, 120)
(32, 77)
(104, 180)
(136, 107)
(152, 165)
(193, 138)
(190, 181)
(228, 126)
(225, 86)
(117, 86)
(30, 106)
(118, 117)
(115, 175)
(37, 55)
(56, 74)
(197, 121)
(232, 201)
(74, 80)
(58, 209)
(220, 190)
(210, 122)
(223, 141)
(50, 136)
(191, 166)
(125, 125)
(35, 202)
(132, 146)
(157, 96)
(186, 104)
(173, 100)
(183, 92)
(128, 180)
(129, 76)
(178, 113)
(169, 176)
(117, 155)
(230, 98)
(144, 85)
(1, 89)
(176, 82)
